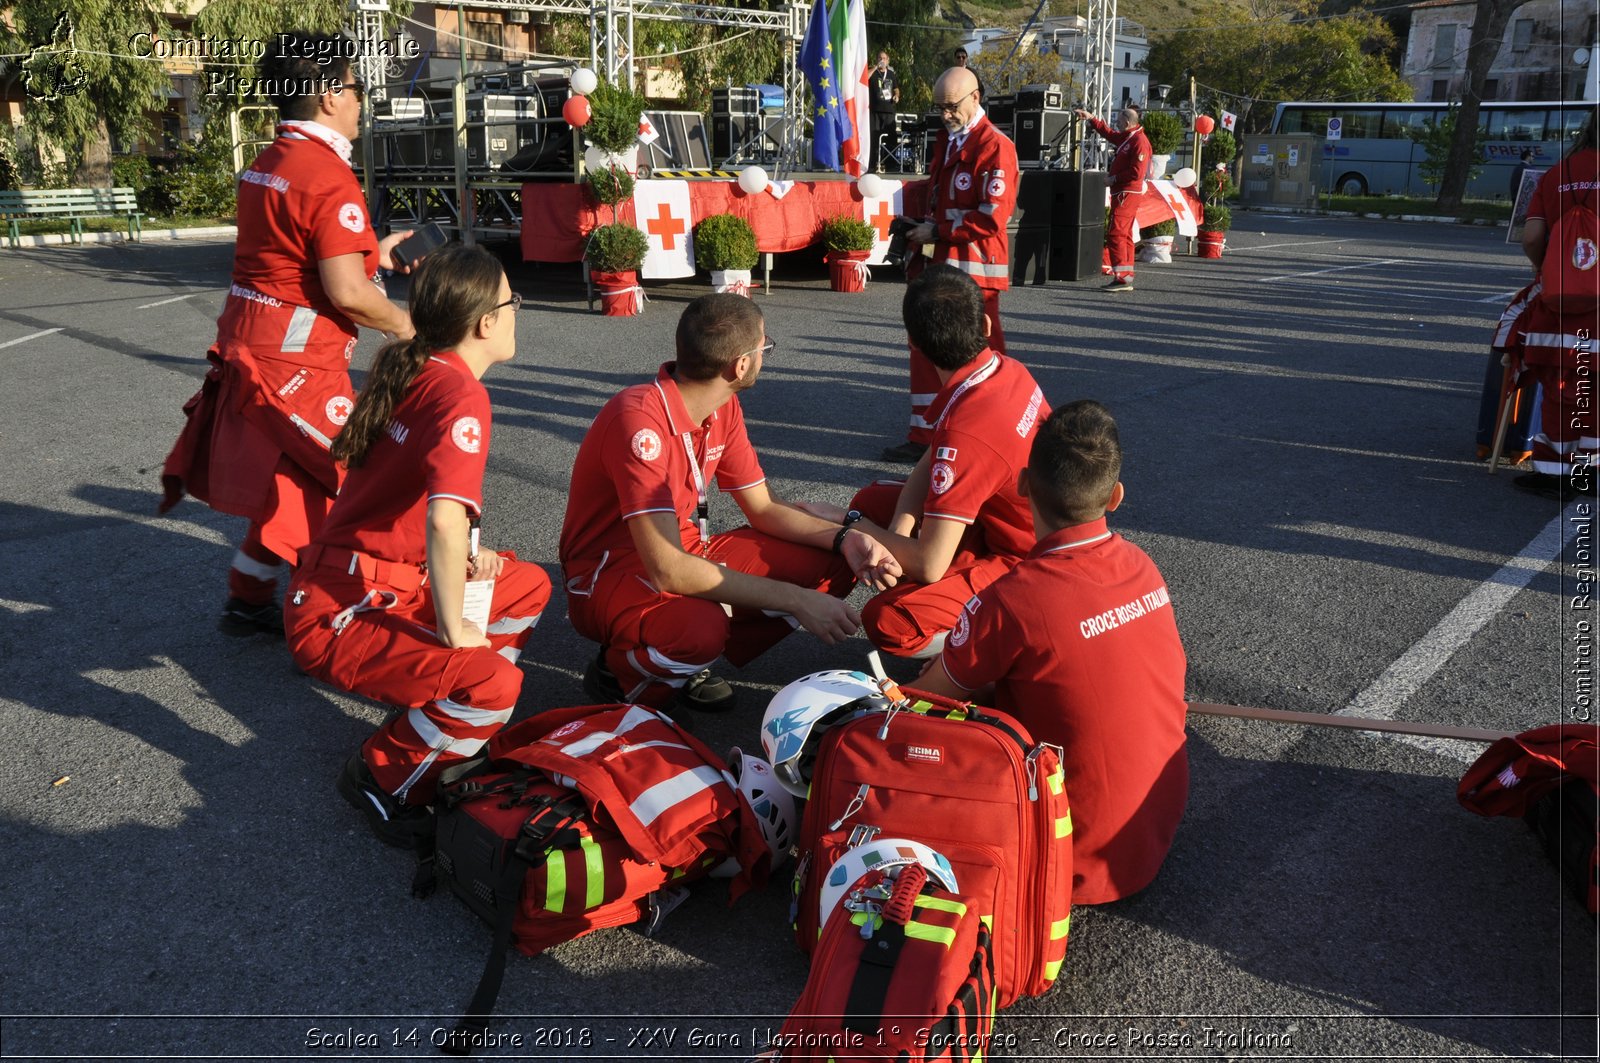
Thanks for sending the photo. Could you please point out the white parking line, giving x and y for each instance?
(29, 336)
(177, 299)
(1294, 243)
(1333, 269)
(1389, 692)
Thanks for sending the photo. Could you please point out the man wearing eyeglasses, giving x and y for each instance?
(305, 272)
(647, 578)
(971, 190)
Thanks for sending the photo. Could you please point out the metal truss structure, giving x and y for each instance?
(1099, 65)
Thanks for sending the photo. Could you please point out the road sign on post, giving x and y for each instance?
(1335, 128)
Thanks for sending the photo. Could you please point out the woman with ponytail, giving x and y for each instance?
(376, 606)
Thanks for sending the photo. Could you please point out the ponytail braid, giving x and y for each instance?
(393, 370)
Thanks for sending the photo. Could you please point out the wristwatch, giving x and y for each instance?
(849, 518)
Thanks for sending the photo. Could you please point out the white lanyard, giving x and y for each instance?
(976, 378)
(702, 509)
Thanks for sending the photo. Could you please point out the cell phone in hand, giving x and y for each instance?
(414, 248)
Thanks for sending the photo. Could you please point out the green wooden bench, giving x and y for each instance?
(74, 204)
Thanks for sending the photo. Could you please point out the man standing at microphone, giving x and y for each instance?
(1126, 173)
(971, 190)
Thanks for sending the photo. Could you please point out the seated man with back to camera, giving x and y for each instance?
(645, 576)
(1080, 644)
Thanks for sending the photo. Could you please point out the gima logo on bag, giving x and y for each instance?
(926, 754)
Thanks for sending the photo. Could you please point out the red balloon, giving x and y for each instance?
(576, 111)
(1204, 124)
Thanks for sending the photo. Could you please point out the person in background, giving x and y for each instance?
(883, 87)
(259, 432)
(963, 63)
(1126, 174)
(378, 605)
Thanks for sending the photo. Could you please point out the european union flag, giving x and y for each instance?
(830, 126)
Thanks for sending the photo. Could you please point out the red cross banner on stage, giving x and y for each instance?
(662, 210)
(647, 130)
(879, 212)
(1164, 200)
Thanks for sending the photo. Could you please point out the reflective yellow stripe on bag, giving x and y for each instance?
(594, 868)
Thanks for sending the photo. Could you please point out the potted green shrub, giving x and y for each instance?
(610, 185)
(848, 244)
(614, 123)
(1165, 132)
(1213, 230)
(1155, 241)
(614, 254)
(725, 244)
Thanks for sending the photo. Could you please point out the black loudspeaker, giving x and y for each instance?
(1036, 193)
(683, 144)
(1075, 253)
(1030, 256)
(1002, 111)
(729, 133)
(1060, 199)
(1041, 135)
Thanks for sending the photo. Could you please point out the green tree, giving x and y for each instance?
(81, 88)
(1465, 155)
(1255, 49)
(1437, 140)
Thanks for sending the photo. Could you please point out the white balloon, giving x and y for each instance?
(753, 179)
(1185, 178)
(594, 158)
(584, 81)
(871, 186)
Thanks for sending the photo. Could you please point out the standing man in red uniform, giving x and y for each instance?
(1556, 336)
(1129, 167)
(972, 191)
(1080, 644)
(377, 603)
(647, 579)
(305, 276)
(957, 523)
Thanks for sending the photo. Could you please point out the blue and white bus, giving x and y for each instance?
(1374, 155)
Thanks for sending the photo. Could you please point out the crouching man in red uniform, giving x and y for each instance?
(957, 523)
(645, 576)
(1127, 172)
(1081, 645)
(376, 605)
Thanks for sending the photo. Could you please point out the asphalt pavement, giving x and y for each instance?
(181, 880)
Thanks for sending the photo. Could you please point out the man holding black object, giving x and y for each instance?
(972, 190)
(1126, 173)
(883, 87)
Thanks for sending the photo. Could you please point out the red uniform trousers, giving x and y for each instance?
(911, 619)
(1566, 443)
(341, 631)
(655, 642)
(925, 378)
(1118, 256)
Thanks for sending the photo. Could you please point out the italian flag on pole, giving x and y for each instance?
(847, 28)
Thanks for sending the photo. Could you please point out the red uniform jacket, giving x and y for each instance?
(1131, 162)
(970, 194)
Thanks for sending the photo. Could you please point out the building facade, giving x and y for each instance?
(1545, 54)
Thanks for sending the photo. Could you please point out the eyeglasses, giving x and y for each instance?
(763, 350)
(359, 88)
(955, 105)
(515, 303)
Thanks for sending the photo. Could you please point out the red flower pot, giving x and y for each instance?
(1211, 244)
(620, 294)
(847, 270)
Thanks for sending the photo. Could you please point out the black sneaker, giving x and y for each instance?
(705, 692)
(1117, 285)
(1543, 484)
(240, 618)
(907, 453)
(599, 685)
(402, 826)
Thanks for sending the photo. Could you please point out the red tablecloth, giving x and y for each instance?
(556, 218)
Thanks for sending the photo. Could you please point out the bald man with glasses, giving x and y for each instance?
(972, 191)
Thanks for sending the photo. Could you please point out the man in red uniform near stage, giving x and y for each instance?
(1080, 643)
(647, 579)
(256, 443)
(1129, 167)
(1556, 336)
(957, 523)
(971, 191)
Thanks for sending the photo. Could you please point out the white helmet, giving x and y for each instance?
(799, 713)
(771, 803)
(881, 854)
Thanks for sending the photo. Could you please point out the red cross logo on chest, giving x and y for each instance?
(665, 226)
